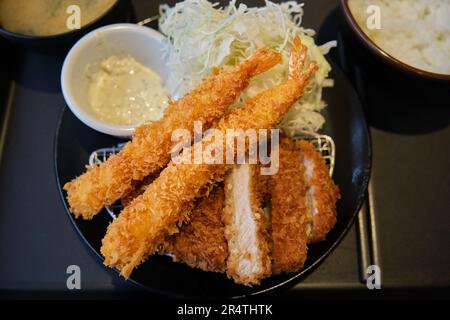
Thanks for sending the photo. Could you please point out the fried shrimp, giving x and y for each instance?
(139, 188)
(150, 149)
(167, 202)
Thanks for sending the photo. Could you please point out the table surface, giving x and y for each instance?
(408, 191)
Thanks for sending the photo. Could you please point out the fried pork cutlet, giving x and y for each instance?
(167, 202)
(201, 241)
(150, 149)
(245, 227)
(322, 193)
(289, 211)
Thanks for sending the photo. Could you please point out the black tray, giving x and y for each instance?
(406, 217)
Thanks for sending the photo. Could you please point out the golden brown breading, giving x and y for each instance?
(289, 216)
(138, 188)
(166, 203)
(146, 222)
(322, 192)
(150, 149)
(201, 242)
(245, 227)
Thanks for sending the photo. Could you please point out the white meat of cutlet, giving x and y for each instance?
(245, 227)
(322, 193)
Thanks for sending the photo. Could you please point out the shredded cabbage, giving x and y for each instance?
(201, 35)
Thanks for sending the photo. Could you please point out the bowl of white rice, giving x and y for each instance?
(412, 35)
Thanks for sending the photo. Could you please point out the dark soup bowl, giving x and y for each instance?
(59, 44)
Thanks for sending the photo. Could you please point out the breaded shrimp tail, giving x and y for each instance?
(167, 202)
(150, 149)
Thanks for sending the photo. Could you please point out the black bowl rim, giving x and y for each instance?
(64, 34)
(295, 276)
(381, 53)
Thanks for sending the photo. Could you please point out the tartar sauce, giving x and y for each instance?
(123, 91)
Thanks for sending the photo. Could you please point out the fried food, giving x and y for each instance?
(303, 205)
(138, 188)
(289, 210)
(201, 242)
(150, 149)
(167, 202)
(322, 193)
(291, 222)
(245, 227)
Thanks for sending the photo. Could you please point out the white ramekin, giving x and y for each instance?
(142, 43)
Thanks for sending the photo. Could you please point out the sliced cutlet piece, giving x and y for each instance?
(289, 211)
(201, 242)
(245, 227)
(322, 193)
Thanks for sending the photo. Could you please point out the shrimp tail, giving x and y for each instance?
(261, 60)
(297, 59)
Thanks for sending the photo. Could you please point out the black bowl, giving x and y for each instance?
(345, 123)
(61, 43)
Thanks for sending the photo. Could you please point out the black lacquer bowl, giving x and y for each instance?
(345, 123)
(59, 44)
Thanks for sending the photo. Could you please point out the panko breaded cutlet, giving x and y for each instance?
(289, 217)
(303, 203)
(201, 241)
(302, 200)
(246, 227)
(322, 193)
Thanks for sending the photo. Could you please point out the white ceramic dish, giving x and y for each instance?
(142, 43)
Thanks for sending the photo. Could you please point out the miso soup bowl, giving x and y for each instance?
(59, 44)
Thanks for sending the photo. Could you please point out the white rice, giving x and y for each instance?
(416, 32)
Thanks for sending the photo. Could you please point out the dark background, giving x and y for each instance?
(404, 227)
